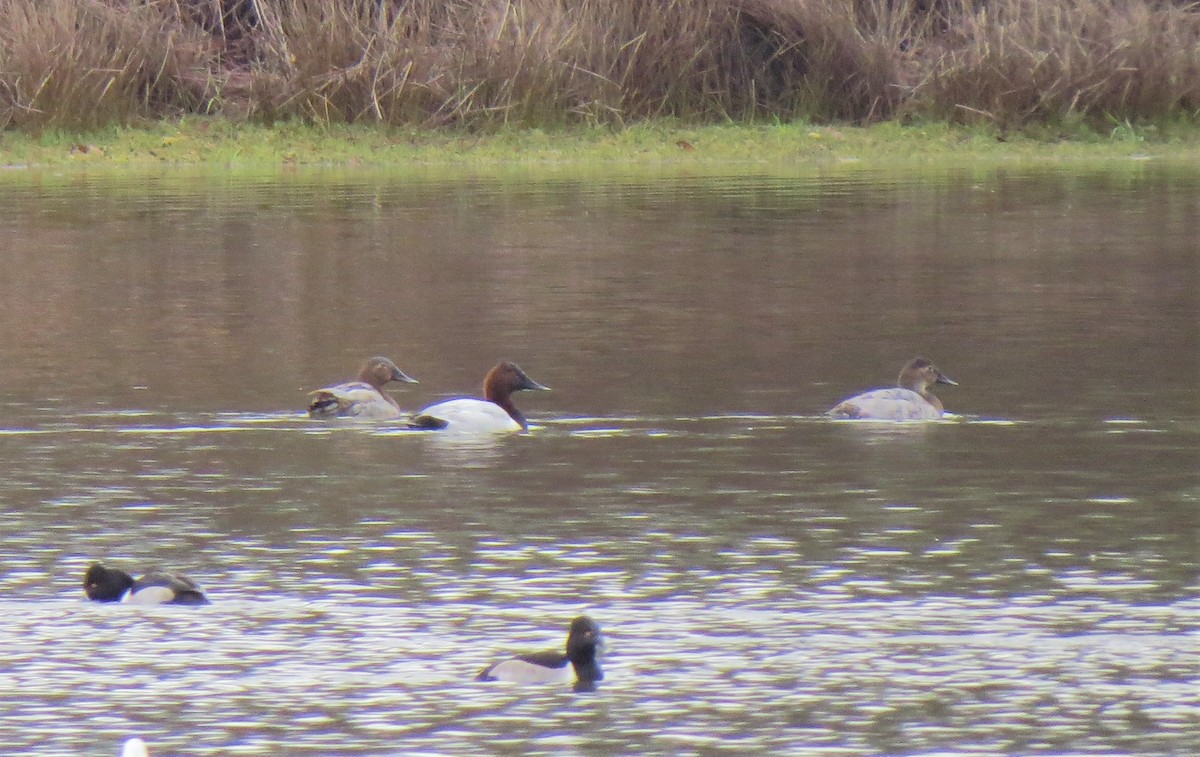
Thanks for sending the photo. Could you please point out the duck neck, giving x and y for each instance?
(506, 403)
(931, 398)
(588, 670)
(388, 398)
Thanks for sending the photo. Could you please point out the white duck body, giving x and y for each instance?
(472, 415)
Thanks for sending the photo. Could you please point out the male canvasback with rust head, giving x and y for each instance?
(584, 643)
(909, 400)
(363, 399)
(495, 413)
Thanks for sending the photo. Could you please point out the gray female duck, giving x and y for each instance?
(363, 399)
(909, 400)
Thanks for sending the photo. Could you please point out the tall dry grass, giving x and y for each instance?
(475, 63)
(546, 61)
(1020, 61)
(510, 61)
(83, 63)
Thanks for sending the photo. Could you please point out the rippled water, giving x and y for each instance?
(1021, 578)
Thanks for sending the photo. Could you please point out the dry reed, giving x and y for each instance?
(81, 63)
(1024, 60)
(84, 63)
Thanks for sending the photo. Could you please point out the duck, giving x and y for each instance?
(362, 399)
(909, 400)
(584, 642)
(104, 584)
(496, 413)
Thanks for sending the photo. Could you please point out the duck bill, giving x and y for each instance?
(530, 384)
(944, 379)
(399, 375)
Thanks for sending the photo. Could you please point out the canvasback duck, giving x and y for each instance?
(495, 413)
(363, 399)
(104, 584)
(909, 400)
(583, 644)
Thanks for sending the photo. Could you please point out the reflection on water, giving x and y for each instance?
(1018, 578)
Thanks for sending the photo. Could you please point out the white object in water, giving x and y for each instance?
(135, 747)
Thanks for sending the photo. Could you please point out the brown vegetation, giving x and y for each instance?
(82, 63)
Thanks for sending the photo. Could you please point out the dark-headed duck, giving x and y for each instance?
(583, 644)
(494, 414)
(104, 584)
(363, 399)
(910, 400)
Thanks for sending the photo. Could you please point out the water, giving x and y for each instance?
(1020, 578)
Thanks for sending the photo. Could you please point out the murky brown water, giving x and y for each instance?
(1020, 579)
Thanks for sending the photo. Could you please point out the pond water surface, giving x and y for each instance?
(1021, 578)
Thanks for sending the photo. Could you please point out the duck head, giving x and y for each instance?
(920, 374)
(504, 379)
(104, 584)
(378, 371)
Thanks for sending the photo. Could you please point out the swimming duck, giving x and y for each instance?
(104, 584)
(495, 413)
(910, 400)
(363, 399)
(583, 644)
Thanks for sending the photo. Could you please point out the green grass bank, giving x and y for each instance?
(221, 144)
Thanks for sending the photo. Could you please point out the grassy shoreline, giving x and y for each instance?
(221, 144)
